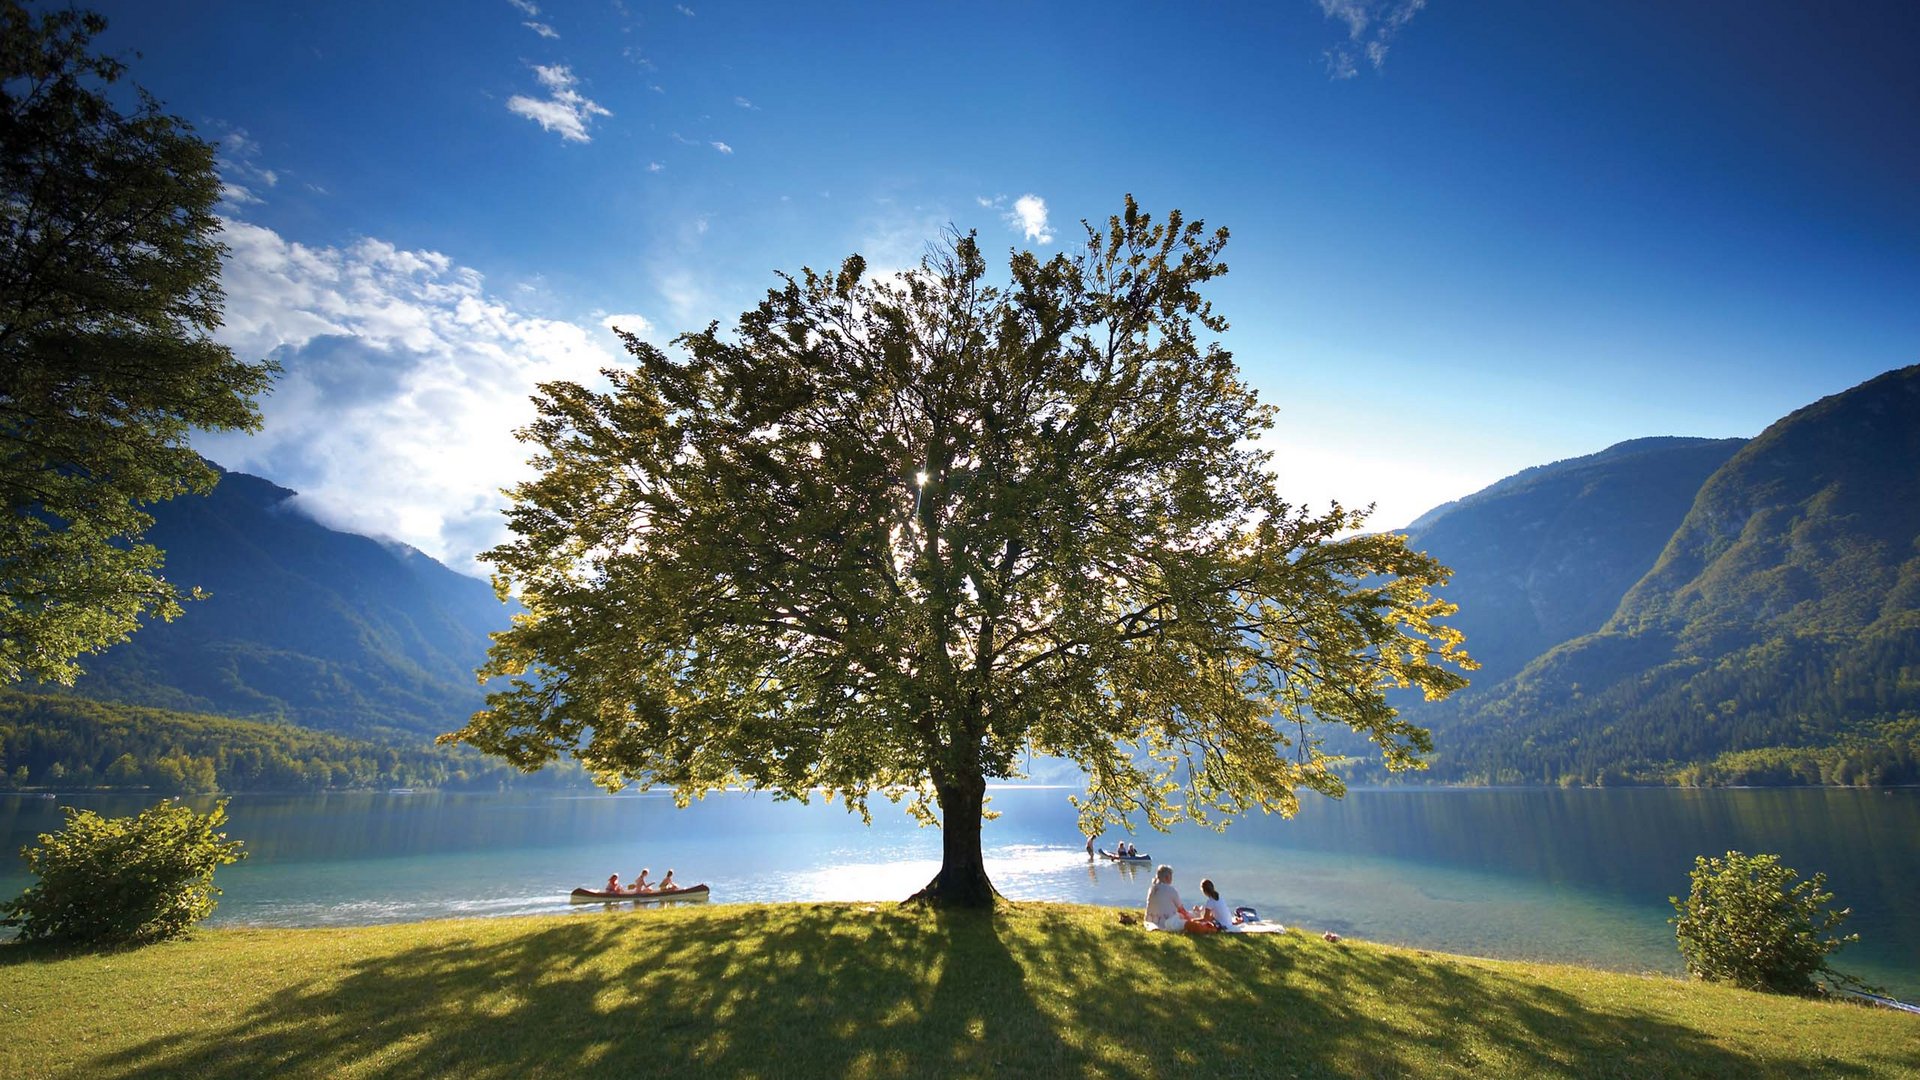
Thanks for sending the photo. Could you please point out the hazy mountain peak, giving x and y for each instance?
(304, 622)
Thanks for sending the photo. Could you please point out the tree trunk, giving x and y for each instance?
(962, 880)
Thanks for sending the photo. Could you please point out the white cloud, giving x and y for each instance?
(1354, 13)
(690, 300)
(684, 10)
(526, 7)
(1371, 27)
(637, 325)
(237, 145)
(542, 29)
(565, 110)
(238, 195)
(239, 159)
(1029, 218)
(403, 381)
(745, 104)
(720, 146)
(654, 166)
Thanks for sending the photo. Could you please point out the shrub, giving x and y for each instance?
(125, 880)
(1750, 922)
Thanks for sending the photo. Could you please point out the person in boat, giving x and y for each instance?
(666, 883)
(640, 883)
(613, 882)
(1128, 851)
(1164, 911)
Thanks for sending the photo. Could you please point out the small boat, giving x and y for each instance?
(1105, 854)
(1884, 1002)
(592, 896)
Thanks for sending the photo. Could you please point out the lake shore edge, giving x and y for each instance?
(881, 989)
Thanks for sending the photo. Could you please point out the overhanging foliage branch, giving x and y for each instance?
(109, 296)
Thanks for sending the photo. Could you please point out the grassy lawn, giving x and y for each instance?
(878, 990)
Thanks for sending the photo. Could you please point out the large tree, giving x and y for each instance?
(897, 535)
(109, 295)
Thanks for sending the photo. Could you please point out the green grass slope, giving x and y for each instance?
(884, 991)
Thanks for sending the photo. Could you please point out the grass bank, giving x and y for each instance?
(883, 991)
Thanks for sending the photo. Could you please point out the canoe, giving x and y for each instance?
(590, 896)
(1105, 854)
(1884, 1002)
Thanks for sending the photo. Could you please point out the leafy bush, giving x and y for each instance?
(125, 880)
(1750, 922)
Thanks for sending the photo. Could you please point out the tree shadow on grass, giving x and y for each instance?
(850, 991)
(827, 991)
(1289, 1006)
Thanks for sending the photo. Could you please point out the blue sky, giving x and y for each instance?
(1467, 238)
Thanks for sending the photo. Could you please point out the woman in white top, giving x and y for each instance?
(1213, 908)
(1163, 903)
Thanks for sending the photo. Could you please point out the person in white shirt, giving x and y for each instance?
(1163, 903)
(1213, 908)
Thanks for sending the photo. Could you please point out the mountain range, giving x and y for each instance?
(302, 623)
(1668, 610)
(1678, 610)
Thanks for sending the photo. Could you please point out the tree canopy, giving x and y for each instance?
(109, 292)
(897, 534)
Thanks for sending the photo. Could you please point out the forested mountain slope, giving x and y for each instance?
(62, 742)
(1545, 555)
(1776, 639)
(303, 623)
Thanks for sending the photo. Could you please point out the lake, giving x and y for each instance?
(1580, 876)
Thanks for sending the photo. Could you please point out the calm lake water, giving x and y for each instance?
(1580, 876)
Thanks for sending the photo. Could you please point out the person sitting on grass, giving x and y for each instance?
(1163, 903)
(1213, 909)
(666, 883)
